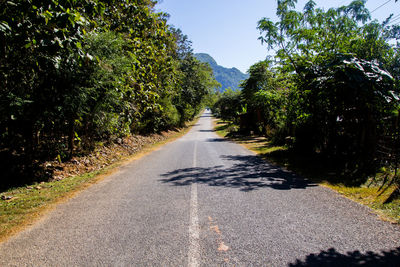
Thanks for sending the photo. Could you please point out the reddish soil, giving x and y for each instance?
(105, 155)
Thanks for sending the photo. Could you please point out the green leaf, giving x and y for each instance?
(11, 3)
(4, 26)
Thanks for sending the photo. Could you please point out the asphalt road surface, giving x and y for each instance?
(205, 201)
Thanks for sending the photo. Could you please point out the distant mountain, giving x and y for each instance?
(225, 76)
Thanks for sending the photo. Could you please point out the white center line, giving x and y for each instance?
(194, 229)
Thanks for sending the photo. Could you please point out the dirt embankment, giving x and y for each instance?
(104, 155)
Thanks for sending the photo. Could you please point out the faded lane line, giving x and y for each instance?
(194, 229)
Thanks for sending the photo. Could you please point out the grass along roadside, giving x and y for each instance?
(369, 194)
(28, 203)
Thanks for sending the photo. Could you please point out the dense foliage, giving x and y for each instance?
(228, 105)
(333, 86)
(73, 73)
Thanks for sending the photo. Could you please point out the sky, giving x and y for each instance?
(227, 29)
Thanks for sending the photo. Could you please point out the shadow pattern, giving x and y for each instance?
(248, 173)
(332, 258)
(213, 140)
(206, 131)
(206, 115)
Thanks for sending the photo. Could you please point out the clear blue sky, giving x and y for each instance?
(226, 29)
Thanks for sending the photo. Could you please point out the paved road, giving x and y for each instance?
(204, 201)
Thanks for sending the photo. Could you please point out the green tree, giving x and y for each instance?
(76, 72)
(229, 105)
(315, 35)
(342, 93)
(197, 81)
(41, 50)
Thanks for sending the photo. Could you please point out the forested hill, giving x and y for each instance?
(227, 77)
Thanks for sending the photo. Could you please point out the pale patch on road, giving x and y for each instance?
(221, 245)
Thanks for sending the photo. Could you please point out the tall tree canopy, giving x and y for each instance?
(76, 72)
(333, 86)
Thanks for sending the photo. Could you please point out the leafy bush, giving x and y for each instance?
(345, 104)
(229, 105)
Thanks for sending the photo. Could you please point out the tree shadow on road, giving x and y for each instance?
(332, 258)
(206, 115)
(216, 140)
(245, 172)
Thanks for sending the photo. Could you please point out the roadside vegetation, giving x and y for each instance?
(327, 105)
(84, 85)
(77, 75)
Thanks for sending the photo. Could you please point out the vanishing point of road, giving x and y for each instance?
(205, 201)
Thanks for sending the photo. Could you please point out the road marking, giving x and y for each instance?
(194, 229)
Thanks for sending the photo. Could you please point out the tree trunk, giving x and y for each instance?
(71, 137)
